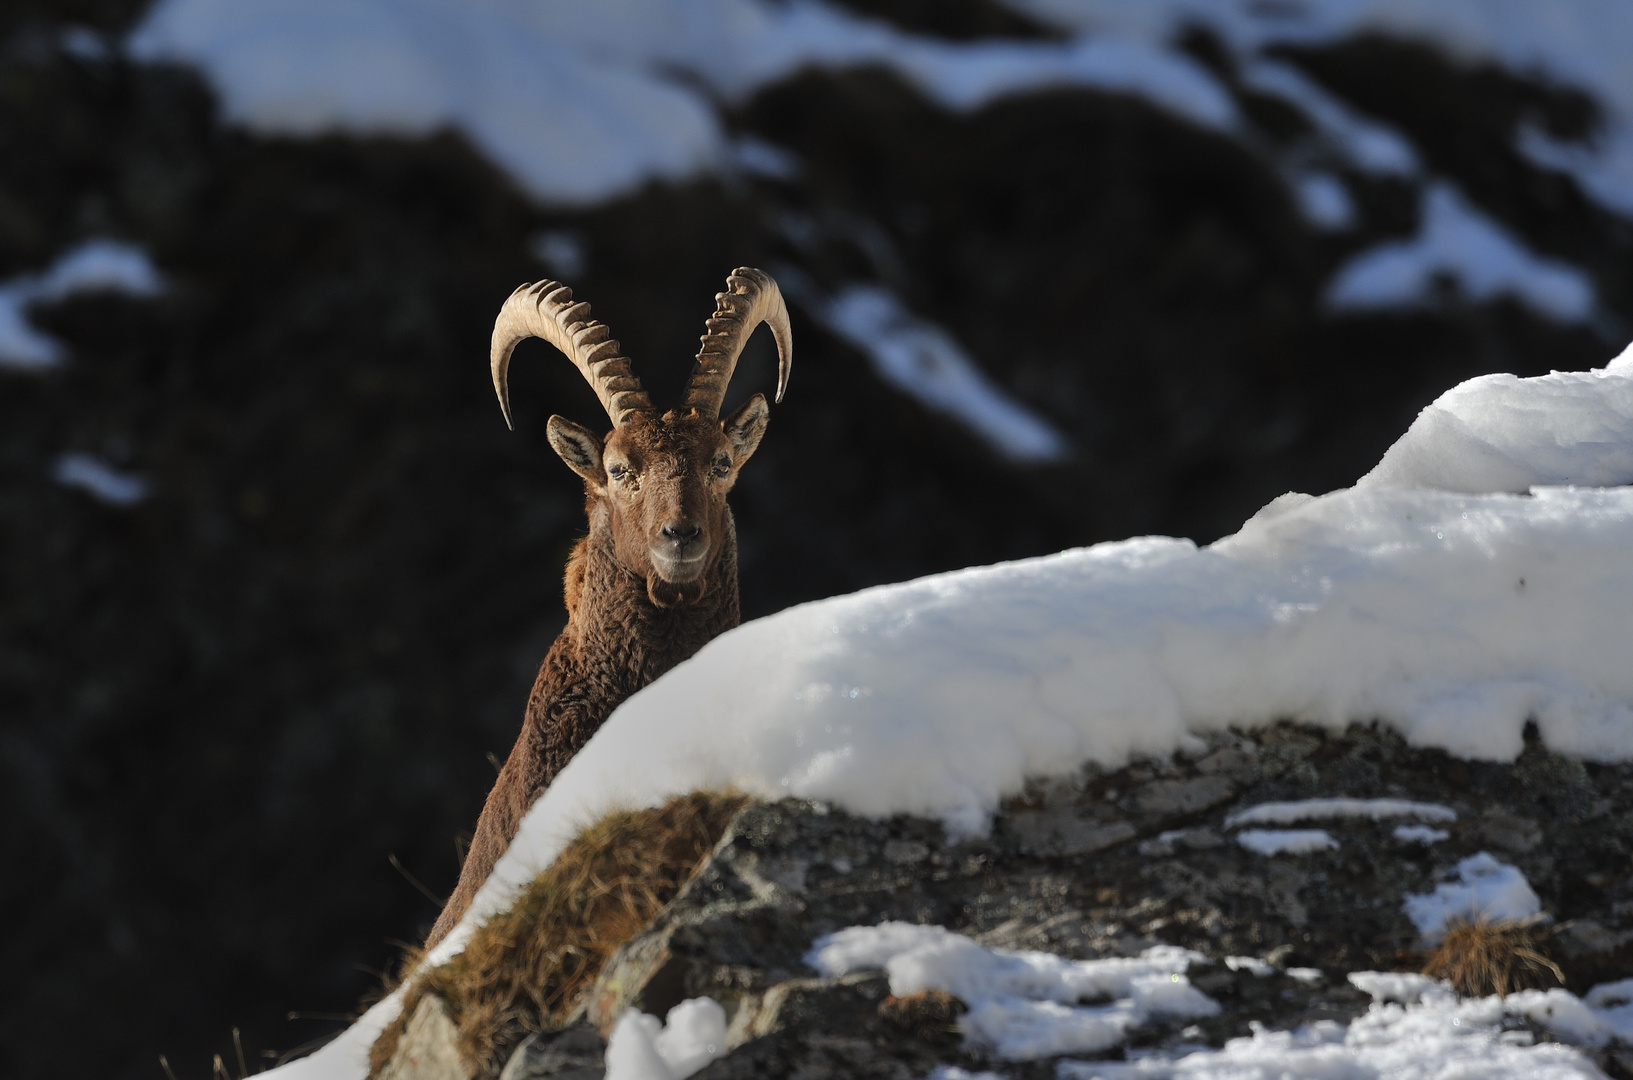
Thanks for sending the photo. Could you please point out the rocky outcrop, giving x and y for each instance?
(1108, 864)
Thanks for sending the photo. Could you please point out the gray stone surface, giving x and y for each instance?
(572, 1053)
(1108, 863)
(428, 1048)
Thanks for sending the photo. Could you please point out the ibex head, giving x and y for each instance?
(661, 479)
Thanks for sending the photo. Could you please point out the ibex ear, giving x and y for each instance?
(745, 427)
(578, 446)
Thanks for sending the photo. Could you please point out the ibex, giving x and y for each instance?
(656, 577)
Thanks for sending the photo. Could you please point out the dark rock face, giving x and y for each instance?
(227, 706)
(1110, 863)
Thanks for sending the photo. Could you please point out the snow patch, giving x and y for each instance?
(1415, 1028)
(1023, 1005)
(926, 362)
(1580, 43)
(1365, 143)
(1250, 964)
(1419, 834)
(1460, 244)
(616, 115)
(100, 479)
(1486, 891)
(641, 1047)
(93, 265)
(1286, 841)
(1286, 813)
(1324, 200)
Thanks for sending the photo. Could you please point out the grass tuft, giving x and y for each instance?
(1482, 958)
(525, 969)
(929, 1015)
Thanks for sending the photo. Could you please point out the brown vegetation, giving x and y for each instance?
(525, 969)
(1482, 958)
(930, 1015)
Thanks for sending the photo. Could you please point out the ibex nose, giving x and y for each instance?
(682, 532)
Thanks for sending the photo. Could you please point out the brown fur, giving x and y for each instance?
(639, 600)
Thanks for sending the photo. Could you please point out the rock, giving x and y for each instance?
(573, 1053)
(1108, 864)
(1173, 798)
(429, 1048)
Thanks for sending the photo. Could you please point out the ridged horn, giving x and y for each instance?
(751, 297)
(545, 309)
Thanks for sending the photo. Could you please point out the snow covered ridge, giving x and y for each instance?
(1455, 617)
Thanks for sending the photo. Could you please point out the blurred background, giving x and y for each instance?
(276, 578)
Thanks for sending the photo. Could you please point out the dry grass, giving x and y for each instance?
(1484, 958)
(930, 1015)
(525, 968)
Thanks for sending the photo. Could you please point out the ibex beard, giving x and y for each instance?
(656, 577)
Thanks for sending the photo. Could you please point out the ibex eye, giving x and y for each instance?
(617, 472)
(722, 467)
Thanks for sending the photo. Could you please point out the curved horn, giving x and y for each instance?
(546, 310)
(751, 297)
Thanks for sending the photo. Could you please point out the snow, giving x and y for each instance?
(925, 362)
(1459, 243)
(1250, 964)
(1286, 841)
(642, 1047)
(1285, 813)
(1455, 617)
(1419, 834)
(1325, 200)
(1486, 891)
(97, 264)
(1367, 144)
(580, 102)
(561, 251)
(1416, 1029)
(1612, 1003)
(953, 1072)
(100, 479)
(1579, 43)
(1023, 1005)
(1500, 433)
